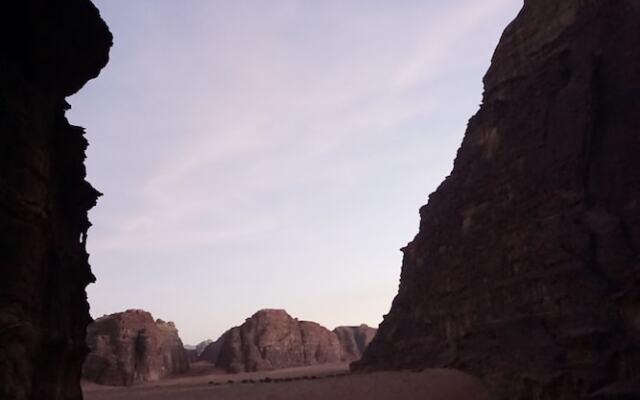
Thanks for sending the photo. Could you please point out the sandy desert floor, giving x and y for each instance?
(325, 382)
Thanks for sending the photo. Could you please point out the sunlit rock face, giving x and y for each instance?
(130, 347)
(354, 340)
(272, 339)
(526, 268)
(48, 51)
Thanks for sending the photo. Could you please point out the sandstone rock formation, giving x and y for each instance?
(48, 51)
(194, 352)
(130, 347)
(354, 340)
(202, 345)
(211, 352)
(191, 354)
(272, 339)
(526, 268)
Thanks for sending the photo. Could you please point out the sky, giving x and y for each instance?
(273, 153)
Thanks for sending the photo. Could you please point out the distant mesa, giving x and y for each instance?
(130, 347)
(272, 339)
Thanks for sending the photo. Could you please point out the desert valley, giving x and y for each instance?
(270, 356)
(522, 282)
(131, 347)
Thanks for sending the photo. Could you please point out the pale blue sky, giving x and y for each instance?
(274, 154)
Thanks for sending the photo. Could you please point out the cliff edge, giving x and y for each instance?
(526, 270)
(48, 51)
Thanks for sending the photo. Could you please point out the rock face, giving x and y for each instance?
(211, 352)
(194, 352)
(526, 268)
(272, 339)
(130, 347)
(48, 51)
(201, 346)
(191, 355)
(354, 340)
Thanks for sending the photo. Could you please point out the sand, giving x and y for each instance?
(329, 382)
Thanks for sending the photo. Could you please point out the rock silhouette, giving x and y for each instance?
(130, 347)
(526, 268)
(272, 339)
(48, 51)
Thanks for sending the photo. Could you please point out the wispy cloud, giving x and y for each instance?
(265, 114)
(254, 151)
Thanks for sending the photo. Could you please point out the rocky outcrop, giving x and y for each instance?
(201, 346)
(194, 352)
(354, 340)
(130, 347)
(191, 354)
(272, 339)
(211, 352)
(48, 51)
(526, 268)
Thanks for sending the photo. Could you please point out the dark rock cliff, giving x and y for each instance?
(48, 50)
(526, 268)
(130, 347)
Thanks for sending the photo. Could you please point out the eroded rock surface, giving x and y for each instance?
(526, 269)
(201, 346)
(272, 339)
(194, 352)
(354, 340)
(48, 51)
(130, 347)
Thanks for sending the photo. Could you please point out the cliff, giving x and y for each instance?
(48, 51)
(130, 347)
(525, 270)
